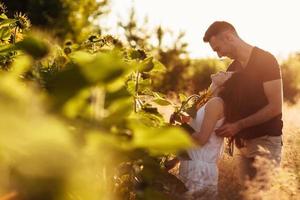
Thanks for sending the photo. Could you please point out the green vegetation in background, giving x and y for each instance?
(74, 120)
(291, 78)
(63, 18)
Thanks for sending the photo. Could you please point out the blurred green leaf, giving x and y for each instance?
(77, 105)
(100, 67)
(118, 111)
(159, 140)
(130, 86)
(162, 102)
(6, 21)
(150, 109)
(158, 67)
(6, 48)
(21, 64)
(65, 84)
(146, 65)
(5, 34)
(137, 54)
(144, 84)
(110, 97)
(151, 119)
(182, 97)
(33, 46)
(116, 84)
(3, 16)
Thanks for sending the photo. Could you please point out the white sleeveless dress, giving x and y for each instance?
(200, 174)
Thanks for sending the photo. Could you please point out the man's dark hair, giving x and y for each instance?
(216, 28)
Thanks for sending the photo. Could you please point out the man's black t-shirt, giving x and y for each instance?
(262, 67)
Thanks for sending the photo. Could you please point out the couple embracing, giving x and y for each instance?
(246, 106)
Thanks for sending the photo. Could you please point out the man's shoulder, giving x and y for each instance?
(266, 65)
(264, 55)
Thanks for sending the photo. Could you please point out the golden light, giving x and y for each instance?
(268, 24)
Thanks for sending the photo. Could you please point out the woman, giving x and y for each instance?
(200, 173)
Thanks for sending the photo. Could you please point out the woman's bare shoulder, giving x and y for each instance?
(216, 101)
(215, 105)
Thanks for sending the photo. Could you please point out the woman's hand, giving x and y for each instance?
(185, 119)
(179, 118)
(170, 164)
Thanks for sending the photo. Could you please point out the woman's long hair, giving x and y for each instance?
(231, 95)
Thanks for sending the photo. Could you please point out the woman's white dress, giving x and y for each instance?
(200, 174)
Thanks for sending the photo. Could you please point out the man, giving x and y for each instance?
(259, 127)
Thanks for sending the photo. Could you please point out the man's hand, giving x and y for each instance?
(228, 130)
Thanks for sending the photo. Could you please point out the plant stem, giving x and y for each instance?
(15, 35)
(136, 91)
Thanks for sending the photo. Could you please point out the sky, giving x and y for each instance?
(273, 25)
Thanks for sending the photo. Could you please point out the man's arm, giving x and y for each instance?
(274, 94)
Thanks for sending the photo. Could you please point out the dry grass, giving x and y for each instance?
(283, 185)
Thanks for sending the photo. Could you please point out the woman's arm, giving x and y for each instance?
(214, 110)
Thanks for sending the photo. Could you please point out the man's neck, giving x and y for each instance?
(244, 53)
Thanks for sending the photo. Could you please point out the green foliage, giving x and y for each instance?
(100, 67)
(34, 47)
(5, 34)
(91, 113)
(66, 83)
(160, 100)
(64, 18)
(291, 78)
(158, 140)
(11, 31)
(200, 71)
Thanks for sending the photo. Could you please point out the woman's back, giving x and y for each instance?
(210, 151)
(200, 174)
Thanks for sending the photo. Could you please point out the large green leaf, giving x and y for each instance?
(160, 100)
(158, 67)
(130, 86)
(5, 34)
(118, 112)
(100, 67)
(76, 106)
(7, 22)
(137, 54)
(146, 65)
(149, 118)
(3, 16)
(182, 97)
(110, 97)
(33, 46)
(144, 84)
(6, 48)
(65, 84)
(142, 87)
(159, 140)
